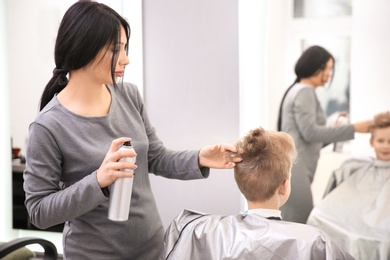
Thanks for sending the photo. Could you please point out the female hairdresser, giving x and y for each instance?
(72, 152)
(301, 116)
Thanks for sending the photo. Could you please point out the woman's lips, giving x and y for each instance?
(119, 73)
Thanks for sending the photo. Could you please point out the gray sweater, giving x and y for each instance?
(63, 153)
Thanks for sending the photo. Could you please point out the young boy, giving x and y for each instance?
(355, 209)
(263, 177)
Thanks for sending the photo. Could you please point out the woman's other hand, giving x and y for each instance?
(363, 126)
(220, 156)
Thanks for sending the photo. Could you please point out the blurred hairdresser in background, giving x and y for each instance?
(302, 116)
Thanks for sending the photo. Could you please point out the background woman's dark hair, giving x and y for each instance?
(86, 28)
(312, 61)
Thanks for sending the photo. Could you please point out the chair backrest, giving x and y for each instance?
(50, 250)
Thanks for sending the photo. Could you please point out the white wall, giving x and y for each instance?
(191, 93)
(32, 29)
(279, 57)
(370, 56)
(5, 140)
(253, 67)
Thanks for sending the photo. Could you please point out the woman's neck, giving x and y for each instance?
(308, 82)
(85, 97)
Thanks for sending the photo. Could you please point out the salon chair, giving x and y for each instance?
(16, 250)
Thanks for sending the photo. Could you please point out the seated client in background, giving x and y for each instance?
(263, 177)
(355, 209)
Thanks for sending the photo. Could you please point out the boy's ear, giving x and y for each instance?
(372, 141)
(283, 188)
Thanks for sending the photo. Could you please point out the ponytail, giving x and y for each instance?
(279, 125)
(54, 86)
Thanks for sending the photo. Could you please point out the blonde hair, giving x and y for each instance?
(267, 160)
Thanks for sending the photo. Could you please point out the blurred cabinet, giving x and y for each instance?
(20, 218)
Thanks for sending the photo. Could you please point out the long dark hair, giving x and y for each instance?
(312, 61)
(86, 28)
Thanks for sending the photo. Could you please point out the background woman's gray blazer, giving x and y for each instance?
(304, 119)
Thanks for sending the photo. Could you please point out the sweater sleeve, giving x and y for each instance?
(306, 117)
(48, 202)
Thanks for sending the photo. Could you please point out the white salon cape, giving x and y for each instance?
(356, 208)
(199, 236)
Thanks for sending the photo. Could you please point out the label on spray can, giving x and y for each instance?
(120, 192)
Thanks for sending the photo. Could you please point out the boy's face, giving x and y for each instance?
(380, 141)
